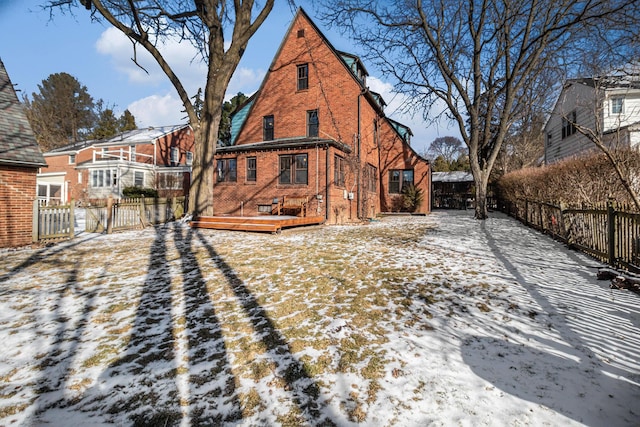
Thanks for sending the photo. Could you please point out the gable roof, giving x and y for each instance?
(350, 62)
(130, 137)
(18, 145)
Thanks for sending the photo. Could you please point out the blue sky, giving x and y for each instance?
(34, 46)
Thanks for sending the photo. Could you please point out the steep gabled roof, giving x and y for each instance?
(351, 63)
(18, 145)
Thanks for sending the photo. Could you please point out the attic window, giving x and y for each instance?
(303, 76)
(300, 34)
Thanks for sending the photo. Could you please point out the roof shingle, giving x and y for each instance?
(18, 144)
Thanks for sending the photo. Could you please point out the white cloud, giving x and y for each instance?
(158, 110)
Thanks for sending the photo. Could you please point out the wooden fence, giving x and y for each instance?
(127, 214)
(53, 222)
(608, 232)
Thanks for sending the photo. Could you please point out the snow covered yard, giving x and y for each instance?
(410, 321)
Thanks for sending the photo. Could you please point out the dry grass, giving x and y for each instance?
(286, 312)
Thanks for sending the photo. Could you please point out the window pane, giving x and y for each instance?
(303, 76)
(301, 169)
(407, 178)
(233, 171)
(394, 181)
(251, 168)
(139, 179)
(285, 170)
(42, 190)
(268, 128)
(220, 170)
(312, 123)
(100, 178)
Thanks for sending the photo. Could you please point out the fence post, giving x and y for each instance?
(142, 212)
(72, 220)
(35, 221)
(611, 224)
(109, 215)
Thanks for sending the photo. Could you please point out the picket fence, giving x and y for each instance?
(608, 232)
(126, 214)
(53, 222)
(58, 222)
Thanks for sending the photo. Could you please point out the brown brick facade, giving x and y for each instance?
(351, 125)
(17, 193)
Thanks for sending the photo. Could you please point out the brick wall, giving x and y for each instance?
(17, 193)
(346, 115)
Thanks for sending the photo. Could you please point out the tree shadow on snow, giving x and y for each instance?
(568, 377)
(304, 391)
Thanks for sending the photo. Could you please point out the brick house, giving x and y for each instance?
(315, 130)
(158, 158)
(20, 158)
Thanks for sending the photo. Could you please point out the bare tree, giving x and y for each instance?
(476, 56)
(449, 147)
(204, 24)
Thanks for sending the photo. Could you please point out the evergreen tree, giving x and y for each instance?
(62, 111)
(228, 108)
(127, 122)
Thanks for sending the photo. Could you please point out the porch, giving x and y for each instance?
(267, 223)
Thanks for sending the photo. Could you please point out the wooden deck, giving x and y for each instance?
(269, 224)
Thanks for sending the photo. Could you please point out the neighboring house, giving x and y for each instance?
(158, 158)
(609, 107)
(315, 132)
(452, 190)
(20, 158)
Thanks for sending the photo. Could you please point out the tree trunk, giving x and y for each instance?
(480, 181)
(201, 192)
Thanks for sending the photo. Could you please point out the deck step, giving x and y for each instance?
(241, 226)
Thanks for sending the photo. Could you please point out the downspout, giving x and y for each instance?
(326, 187)
(358, 192)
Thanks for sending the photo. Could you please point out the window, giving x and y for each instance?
(303, 76)
(267, 128)
(569, 125)
(175, 155)
(370, 178)
(293, 169)
(170, 180)
(549, 139)
(189, 158)
(400, 179)
(72, 159)
(138, 179)
(301, 33)
(251, 168)
(104, 178)
(226, 170)
(132, 153)
(617, 105)
(338, 170)
(312, 123)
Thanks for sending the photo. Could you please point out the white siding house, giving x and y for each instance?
(610, 107)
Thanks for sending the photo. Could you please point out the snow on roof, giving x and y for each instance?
(138, 136)
(457, 176)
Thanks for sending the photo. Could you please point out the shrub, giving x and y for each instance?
(412, 198)
(580, 180)
(136, 192)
